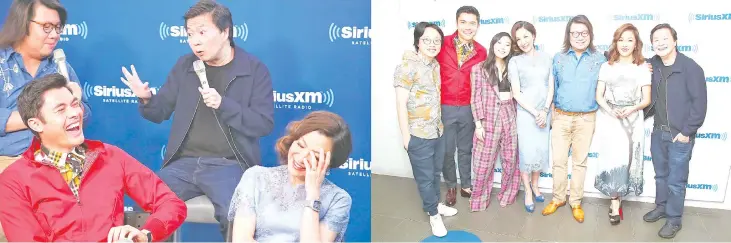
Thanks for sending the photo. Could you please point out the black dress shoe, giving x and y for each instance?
(654, 215)
(668, 231)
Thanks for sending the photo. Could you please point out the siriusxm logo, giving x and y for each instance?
(539, 47)
(552, 19)
(680, 48)
(636, 17)
(646, 158)
(113, 94)
(498, 20)
(648, 132)
(709, 187)
(178, 32)
(359, 167)
(590, 154)
(441, 23)
(303, 100)
(717, 79)
(550, 175)
(705, 17)
(602, 48)
(162, 153)
(711, 135)
(357, 36)
(80, 30)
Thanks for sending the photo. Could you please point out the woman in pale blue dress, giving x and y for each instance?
(532, 85)
(294, 202)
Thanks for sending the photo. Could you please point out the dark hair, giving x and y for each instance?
(488, 67)
(421, 28)
(220, 14)
(521, 25)
(326, 123)
(31, 99)
(664, 26)
(636, 53)
(578, 19)
(20, 14)
(468, 10)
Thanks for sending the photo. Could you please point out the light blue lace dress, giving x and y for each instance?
(278, 205)
(532, 74)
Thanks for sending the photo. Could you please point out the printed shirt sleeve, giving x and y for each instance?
(402, 77)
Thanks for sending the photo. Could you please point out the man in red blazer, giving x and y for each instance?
(460, 52)
(68, 188)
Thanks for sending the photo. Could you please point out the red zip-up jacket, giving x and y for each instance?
(36, 204)
(456, 89)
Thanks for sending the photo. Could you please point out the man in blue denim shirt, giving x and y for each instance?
(576, 70)
(26, 48)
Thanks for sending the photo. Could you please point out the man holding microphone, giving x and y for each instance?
(222, 105)
(27, 41)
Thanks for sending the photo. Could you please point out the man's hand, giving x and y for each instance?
(132, 80)
(126, 232)
(649, 66)
(75, 89)
(210, 97)
(681, 138)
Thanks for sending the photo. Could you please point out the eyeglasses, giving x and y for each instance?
(431, 41)
(576, 34)
(48, 27)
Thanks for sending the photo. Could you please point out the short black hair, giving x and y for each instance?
(421, 28)
(468, 10)
(664, 26)
(220, 14)
(31, 99)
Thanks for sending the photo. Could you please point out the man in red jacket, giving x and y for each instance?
(67, 188)
(460, 52)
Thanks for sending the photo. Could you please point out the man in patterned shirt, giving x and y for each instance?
(458, 54)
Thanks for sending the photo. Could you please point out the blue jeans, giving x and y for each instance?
(426, 157)
(671, 161)
(216, 178)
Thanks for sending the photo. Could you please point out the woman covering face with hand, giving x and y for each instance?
(294, 202)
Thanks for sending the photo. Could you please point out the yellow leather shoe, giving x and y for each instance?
(552, 207)
(578, 213)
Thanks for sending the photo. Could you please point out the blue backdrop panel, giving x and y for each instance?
(4, 8)
(318, 53)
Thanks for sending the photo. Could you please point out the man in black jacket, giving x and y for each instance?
(679, 104)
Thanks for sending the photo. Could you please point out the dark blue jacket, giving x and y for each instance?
(686, 94)
(247, 106)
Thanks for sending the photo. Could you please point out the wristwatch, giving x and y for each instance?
(314, 205)
(148, 234)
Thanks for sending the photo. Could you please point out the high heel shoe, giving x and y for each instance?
(540, 198)
(615, 219)
(530, 208)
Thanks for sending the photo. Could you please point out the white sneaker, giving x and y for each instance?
(446, 210)
(437, 226)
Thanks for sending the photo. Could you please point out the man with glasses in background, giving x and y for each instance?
(27, 40)
(575, 72)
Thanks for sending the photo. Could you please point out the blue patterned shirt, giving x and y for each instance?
(575, 80)
(13, 78)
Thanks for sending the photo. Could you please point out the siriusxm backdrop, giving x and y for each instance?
(318, 53)
(709, 165)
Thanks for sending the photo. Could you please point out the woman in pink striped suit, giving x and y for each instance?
(494, 111)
